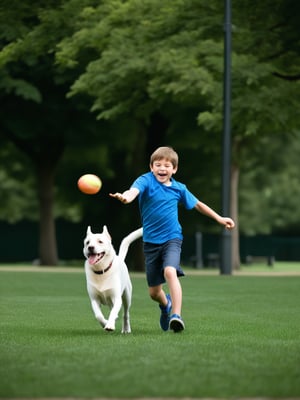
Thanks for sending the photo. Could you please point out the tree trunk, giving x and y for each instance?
(236, 262)
(47, 245)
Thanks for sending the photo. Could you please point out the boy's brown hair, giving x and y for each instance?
(165, 152)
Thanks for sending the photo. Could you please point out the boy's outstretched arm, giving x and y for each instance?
(204, 209)
(126, 197)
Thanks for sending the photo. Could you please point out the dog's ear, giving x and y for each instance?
(88, 232)
(105, 232)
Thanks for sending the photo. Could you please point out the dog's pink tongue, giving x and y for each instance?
(93, 259)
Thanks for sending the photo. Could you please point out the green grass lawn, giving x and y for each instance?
(278, 266)
(242, 339)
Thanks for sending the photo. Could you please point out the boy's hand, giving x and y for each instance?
(228, 223)
(127, 197)
(119, 196)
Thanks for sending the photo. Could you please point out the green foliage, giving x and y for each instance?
(35, 115)
(129, 61)
(270, 187)
(18, 194)
(147, 54)
(21, 88)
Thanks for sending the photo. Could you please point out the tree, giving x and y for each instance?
(269, 188)
(151, 68)
(155, 56)
(263, 66)
(153, 63)
(34, 90)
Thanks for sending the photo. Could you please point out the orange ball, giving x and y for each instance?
(89, 184)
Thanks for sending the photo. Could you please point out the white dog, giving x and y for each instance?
(107, 277)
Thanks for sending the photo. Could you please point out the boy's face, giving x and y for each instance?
(163, 170)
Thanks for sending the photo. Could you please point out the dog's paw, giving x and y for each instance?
(109, 327)
(126, 327)
(125, 331)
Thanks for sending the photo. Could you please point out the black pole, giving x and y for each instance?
(226, 257)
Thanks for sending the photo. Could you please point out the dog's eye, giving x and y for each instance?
(100, 241)
(87, 242)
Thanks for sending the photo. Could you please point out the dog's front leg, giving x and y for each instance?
(98, 313)
(117, 304)
(126, 304)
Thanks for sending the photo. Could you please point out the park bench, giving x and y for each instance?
(269, 260)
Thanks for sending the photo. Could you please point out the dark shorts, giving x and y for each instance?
(159, 256)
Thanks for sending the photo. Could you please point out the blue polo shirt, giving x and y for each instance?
(159, 207)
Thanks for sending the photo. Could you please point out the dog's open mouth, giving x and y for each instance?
(93, 259)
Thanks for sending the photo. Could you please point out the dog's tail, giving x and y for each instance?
(126, 242)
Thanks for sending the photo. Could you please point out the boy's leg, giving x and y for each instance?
(172, 270)
(165, 305)
(175, 289)
(157, 294)
(176, 323)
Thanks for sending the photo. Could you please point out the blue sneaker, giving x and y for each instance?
(165, 314)
(176, 323)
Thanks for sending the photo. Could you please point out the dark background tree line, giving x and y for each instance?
(90, 86)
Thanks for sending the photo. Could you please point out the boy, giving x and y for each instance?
(159, 195)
